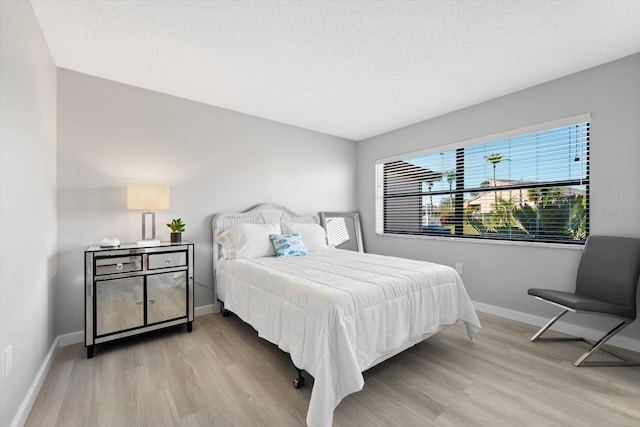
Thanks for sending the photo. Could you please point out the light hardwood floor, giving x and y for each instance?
(222, 374)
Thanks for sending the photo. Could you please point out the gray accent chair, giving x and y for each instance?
(606, 284)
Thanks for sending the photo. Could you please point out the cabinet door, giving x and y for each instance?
(166, 296)
(119, 304)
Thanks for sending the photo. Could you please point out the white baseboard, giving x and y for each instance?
(78, 337)
(565, 328)
(205, 309)
(70, 339)
(32, 394)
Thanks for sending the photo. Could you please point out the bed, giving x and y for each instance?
(336, 312)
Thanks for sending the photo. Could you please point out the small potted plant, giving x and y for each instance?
(177, 228)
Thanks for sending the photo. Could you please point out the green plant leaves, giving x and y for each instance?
(176, 225)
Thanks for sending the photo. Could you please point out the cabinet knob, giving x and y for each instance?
(119, 266)
(168, 261)
(139, 302)
(152, 300)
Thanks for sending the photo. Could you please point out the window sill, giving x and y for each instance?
(571, 246)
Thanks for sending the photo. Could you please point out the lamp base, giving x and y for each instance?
(148, 242)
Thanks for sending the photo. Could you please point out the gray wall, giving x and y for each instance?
(111, 135)
(497, 274)
(27, 202)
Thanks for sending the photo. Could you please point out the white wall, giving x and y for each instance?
(27, 202)
(110, 135)
(499, 275)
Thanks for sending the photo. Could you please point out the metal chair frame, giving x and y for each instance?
(595, 346)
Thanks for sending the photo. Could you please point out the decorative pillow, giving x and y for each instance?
(248, 241)
(288, 244)
(314, 236)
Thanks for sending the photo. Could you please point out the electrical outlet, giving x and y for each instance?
(8, 361)
(459, 268)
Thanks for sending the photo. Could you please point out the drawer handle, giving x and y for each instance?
(152, 300)
(139, 302)
(167, 262)
(119, 266)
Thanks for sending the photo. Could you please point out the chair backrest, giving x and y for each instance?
(609, 270)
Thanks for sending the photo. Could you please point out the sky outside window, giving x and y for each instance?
(521, 160)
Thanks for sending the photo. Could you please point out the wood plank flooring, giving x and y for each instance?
(222, 374)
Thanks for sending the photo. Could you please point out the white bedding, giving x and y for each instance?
(340, 312)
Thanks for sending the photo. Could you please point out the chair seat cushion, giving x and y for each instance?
(583, 303)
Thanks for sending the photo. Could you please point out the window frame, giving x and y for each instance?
(460, 190)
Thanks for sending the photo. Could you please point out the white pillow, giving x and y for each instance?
(248, 241)
(313, 235)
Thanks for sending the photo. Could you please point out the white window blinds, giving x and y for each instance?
(531, 186)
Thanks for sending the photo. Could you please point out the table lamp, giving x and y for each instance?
(148, 198)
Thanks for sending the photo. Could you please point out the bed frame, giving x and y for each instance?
(264, 213)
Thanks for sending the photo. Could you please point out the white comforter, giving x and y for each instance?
(340, 312)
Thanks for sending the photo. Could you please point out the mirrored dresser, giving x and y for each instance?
(133, 289)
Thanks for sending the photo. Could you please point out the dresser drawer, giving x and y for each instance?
(113, 265)
(167, 260)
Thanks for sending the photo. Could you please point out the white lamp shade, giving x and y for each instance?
(147, 197)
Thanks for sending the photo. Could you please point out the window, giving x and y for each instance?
(527, 185)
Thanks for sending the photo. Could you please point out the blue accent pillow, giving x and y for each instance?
(288, 244)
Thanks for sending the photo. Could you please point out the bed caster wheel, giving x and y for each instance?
(298, 382)
(226, 313)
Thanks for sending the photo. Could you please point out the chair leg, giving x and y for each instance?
(536, 337)
(581, 362)
(624, 361)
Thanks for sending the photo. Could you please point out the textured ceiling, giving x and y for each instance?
(354, 69)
